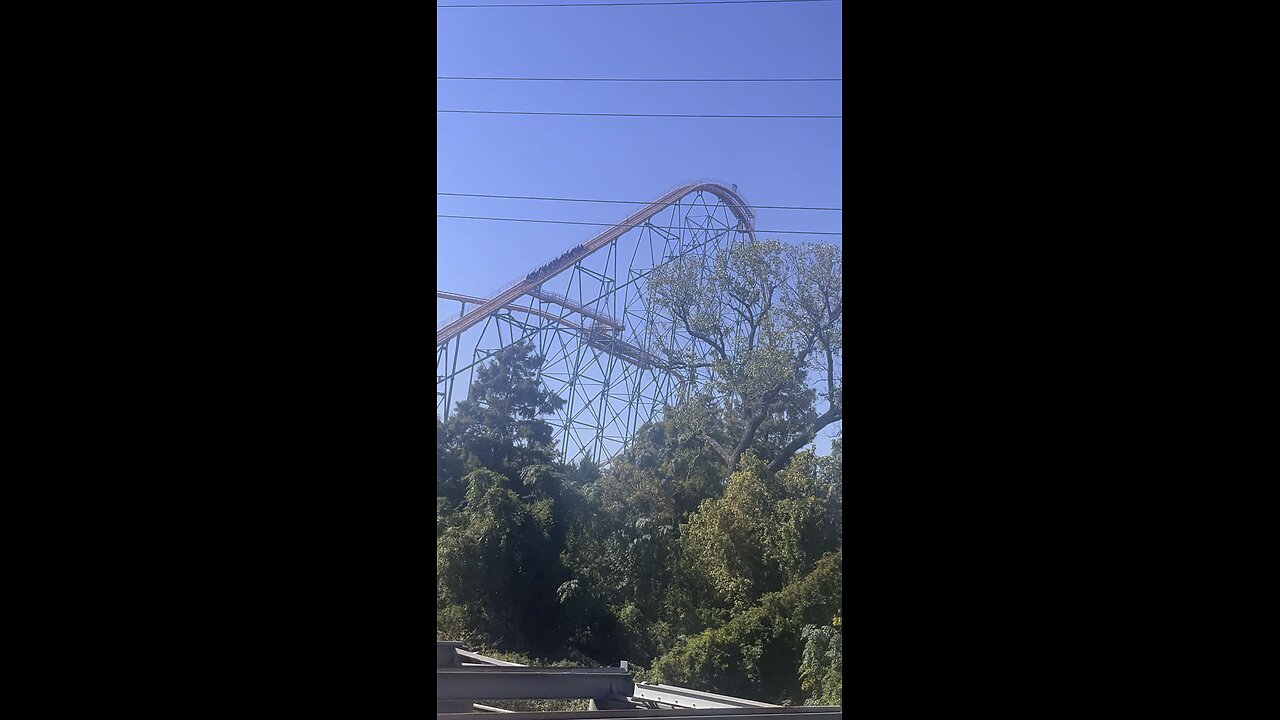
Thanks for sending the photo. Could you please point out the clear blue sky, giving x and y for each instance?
(773, 162)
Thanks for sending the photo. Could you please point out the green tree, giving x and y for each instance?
(505, 510)
(683, 462)
(756, 654)
(765, 531)
(499, 560)
(498, 427)
(822, 663)
(710, 549)
(585, 472)
(768, 315)
(478, 559)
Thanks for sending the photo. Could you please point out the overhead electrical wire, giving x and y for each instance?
(576, 222)
(633, 4)
(653, 115)
(645, 80)
(624, 202)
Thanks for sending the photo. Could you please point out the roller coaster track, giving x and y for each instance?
(615, 357)
(593, 336)
(579, 308)
(504, 297)
(459, 297)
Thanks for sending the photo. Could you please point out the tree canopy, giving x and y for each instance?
(768, 315)
(708, 553)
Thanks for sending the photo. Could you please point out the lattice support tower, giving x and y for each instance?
(616, 360)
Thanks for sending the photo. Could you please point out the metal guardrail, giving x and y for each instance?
(686, 702)
(508, 286)
(448, 319)
(686, 698)
(454, 318)
(486, 660)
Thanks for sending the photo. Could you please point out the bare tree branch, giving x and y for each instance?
(683, 315)
(718, 447)
(832, 414)
(748, 434)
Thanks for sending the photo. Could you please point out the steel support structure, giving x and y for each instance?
(615, 359)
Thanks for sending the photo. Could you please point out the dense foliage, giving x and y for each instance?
(708, 554)
(770, 320)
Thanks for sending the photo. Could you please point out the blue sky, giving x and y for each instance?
(772, 161)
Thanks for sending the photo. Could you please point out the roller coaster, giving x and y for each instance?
(617, 361)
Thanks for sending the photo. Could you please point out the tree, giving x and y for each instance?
(621, 553)
(585, 472)
(449, 466)
(822, 663)
(498, 427)
(671, 455)
(711, 546)
(499, 559)
(767, 315)
(478, 558)
(501, 526)
(756, 654)
(767, 530)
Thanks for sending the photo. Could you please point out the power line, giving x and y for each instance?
(661, 115)
(634, 4)
(624, 202)
(574, 222)
(645, 80)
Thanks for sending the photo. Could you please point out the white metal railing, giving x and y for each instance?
(453, 317)
(508, 286)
